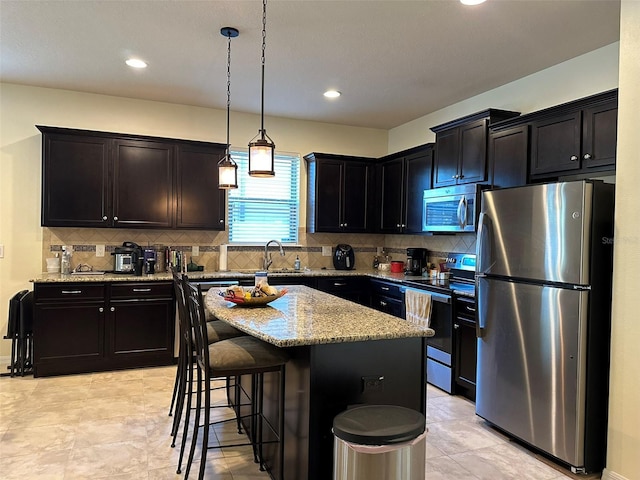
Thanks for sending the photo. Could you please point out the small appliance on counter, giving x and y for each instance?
(125, 258)
(343, 257)
(416, 261)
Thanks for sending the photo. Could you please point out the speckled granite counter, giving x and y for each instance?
(305, 316)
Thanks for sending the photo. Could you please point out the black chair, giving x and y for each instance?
(233, 358)
(20, 332)
(182, 390)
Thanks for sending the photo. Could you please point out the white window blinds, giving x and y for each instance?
(263, 209)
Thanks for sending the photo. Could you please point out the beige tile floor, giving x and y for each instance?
(115, 425)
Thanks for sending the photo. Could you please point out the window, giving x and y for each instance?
(263, 209)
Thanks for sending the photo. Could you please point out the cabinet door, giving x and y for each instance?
(472, 167)
(599, 135)
(141, 332)
(446, 162)
(555, 144)
(417, 179)
(75, 175)
(68, 337)
(328, 192)
(142, 184)
(466, 358)
(509, 157)
(391, 196)
(356, 195)
(199, 202)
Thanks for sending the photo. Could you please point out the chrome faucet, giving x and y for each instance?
(266, 260)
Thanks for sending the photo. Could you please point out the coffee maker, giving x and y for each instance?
(416, 261)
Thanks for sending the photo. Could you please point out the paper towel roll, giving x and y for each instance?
(223, 258)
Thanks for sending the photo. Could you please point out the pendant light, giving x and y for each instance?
(262, 150)
(227, 168)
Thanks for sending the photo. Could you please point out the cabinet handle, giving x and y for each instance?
(115, 219)
(470, 309)
(574, 158)
(104, 218)
(113, 309)
(383, 303)
(141, 289)
(454, 176)
(345, 224)
(397, 225)
(587, 156)
(71, 292)
(403, 225)
(456, 326)
(101, 309)
(386, 289)
(339, 284)
(221, 221)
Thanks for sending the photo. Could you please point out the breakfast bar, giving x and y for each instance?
(341, 354)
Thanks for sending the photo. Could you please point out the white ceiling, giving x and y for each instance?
(393, 60)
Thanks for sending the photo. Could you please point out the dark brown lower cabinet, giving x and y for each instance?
(466, 353)
(90, 327)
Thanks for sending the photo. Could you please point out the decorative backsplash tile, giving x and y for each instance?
(84, 241)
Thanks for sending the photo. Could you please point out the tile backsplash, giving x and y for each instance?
(84, 241)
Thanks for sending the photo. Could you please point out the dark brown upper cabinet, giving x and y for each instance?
(200, 204)
(575, 138)
(509, 156)
(402, 178)
(340, 196)
(100, 179)
(461, 148)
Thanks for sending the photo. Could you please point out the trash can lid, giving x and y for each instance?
(378, 425)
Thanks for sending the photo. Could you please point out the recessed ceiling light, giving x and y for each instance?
(136, 63)
(332, 94)
(472, 2)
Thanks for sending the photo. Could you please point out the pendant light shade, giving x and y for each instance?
(227, 168)
(261, 147)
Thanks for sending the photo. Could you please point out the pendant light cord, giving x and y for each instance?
(228, 87)
(264, 44)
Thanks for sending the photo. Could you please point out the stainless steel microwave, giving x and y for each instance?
(452, 209)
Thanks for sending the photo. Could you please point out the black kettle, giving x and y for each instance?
(343, 257)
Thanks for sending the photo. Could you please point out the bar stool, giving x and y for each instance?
(216, 331)
(233, 357)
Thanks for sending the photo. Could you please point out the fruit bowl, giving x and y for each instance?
(253, 301)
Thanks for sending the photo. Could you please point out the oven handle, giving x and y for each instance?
(436, 297)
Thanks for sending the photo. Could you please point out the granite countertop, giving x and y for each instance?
(305, 316)
(240, 274)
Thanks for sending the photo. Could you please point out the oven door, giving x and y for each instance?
(440, 346)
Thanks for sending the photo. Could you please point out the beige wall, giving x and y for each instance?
(579, 77)
(623, 453)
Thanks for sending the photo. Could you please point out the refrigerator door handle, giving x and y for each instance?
(479, 329)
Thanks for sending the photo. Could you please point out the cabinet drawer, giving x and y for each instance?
(392, 306)
(69, 291)
(338, 284)
(135, 290)
(387, 289)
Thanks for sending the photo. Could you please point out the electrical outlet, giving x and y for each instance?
(99, 250)
(195, 251)
(379, 250)
(326, 251)
(1, 251)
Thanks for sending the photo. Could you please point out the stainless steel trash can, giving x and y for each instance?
(379, 442)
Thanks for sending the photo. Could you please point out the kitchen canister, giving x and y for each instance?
(397, 266)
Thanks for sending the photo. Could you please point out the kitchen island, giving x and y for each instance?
(341, 354)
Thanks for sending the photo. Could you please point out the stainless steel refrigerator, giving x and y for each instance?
(543, 279)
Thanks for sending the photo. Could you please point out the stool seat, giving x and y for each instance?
(243, 353)
(218, 330)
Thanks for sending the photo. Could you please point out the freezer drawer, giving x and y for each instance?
(532, 364)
